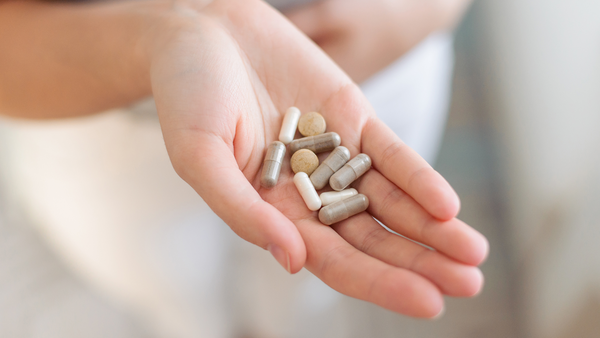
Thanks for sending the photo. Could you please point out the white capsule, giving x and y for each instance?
(331, 197)
(289, 125)
(307, 191)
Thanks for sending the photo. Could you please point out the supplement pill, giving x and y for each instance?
(350, 172)
(272, 164)
(317, 144)
(338, 157)
(289, 125)
(344, 209)
(311, 124)
(331, 197)
(307, 191)
(304, 161)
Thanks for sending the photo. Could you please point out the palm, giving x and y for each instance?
(220, 107)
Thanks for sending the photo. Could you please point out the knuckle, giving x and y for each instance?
(391, 199)
(332, 258)
(418, 173)
(390, 153)
(374, 237)
(418, 258)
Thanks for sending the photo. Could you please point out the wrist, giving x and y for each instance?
(146, 23)
(171, 35)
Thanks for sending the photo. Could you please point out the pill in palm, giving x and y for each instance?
(351, 171)
(343, 209)
(317, 144)
(289, 125)
(307, 191)
(272, 164)
(338, 157)
(331, 197)
(311, 124)
(305, 161)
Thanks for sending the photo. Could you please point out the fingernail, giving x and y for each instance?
(280, 255)
(439, 315)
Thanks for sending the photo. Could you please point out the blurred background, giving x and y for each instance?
(522, 150)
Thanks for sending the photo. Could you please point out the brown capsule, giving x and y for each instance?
(343, 209)
(317, 144)
(350, 172)
(338, 157)
(272, 164)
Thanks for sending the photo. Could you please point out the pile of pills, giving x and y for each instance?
(337, 169)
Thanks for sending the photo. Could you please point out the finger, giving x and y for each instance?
(316, 20)
(358, 275)
(211, 169)
(401, 213)
(409, 171)
(452, 278)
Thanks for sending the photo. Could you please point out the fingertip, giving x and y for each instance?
(279, 236)
(477, 283)
(473, 246)
(420, 298)
(471, 283)
(440, 314)
(434, 310)
(297, 257)
(448, 205)
(485, 250)
(435, 194)
(453, 205)
(291, 257)
(480, 248)
(434, 307)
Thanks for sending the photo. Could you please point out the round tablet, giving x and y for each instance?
(311, 124)
(304, 161)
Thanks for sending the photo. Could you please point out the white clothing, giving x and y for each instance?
(103, 192)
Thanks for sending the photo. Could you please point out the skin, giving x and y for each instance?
(221, 74)
(364, 36)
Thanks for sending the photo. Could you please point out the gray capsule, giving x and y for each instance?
(272, 164)
(338, 157)
(317, 144)
(350, 172)
(343, 209)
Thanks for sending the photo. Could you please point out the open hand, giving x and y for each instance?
(222, 77)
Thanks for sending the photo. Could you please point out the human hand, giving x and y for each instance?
(364, 36)
(220, 78)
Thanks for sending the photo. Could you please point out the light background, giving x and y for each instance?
(521, 149)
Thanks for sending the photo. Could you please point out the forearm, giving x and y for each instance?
(416, 19)
(450, 12)
(60, 60)
(413, 21)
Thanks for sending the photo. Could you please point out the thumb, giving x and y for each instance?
(211, 169)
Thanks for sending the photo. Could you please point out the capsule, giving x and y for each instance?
(344, 209)
(331, 197)
(307, 191)
(350, 172)
(338, 157)
(289, 125)
(318, 144)
(272, 164)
